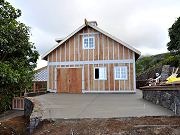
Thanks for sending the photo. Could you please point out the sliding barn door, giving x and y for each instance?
(69, 80)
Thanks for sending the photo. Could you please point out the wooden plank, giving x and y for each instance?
(50, 57)
(131, 54)
(116, 81)
(80, 47)
(96, 48)
(90, 30)
(58, 54)
(126, 52)
(68, 51)
(62, 85)
(132, 76)
(62, 47)
(95, 81)
(85, 57)
(76, 47)
(75, 80)
(116, 47)
(106, 49)
(101, 82)
(120, 52)
(85, 54)
(107, 81)
(110, 49)
(71, 42)
(91, 76)
(86, 77)
(54, 55)
(111, 77)
(100, 48)
(127, 81)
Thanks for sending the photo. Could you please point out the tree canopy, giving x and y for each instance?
(174, 34)
(18, 56)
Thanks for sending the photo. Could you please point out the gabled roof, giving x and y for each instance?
(138, 53)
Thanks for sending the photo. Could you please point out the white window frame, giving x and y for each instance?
(121, 68)
(105, 76)
(88, 37)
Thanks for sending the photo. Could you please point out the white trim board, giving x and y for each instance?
(91, 62)
(99, 30)
(111, 91)
(51, 90)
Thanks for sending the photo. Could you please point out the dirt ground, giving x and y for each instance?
(116, 126)
(14, 126)
(119, 126)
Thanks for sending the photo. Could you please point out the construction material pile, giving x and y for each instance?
(172, 79)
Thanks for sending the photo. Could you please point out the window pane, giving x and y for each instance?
(88, 42)
(91, 43)
(85, 42)
(123, 72)
(117, 73)
(96, 73)
(100, 73)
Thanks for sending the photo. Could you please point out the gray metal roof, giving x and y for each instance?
(41, 74)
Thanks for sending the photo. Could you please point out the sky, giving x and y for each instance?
(142, 24)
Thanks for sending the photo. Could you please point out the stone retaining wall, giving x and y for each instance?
(31, 111)
(169, 99)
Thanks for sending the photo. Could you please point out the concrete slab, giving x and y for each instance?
(72, 106)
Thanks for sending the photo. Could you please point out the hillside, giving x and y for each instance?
(152, 64)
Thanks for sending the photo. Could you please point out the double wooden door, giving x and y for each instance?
(69, 80)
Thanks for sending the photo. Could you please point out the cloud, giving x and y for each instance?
(41, 63)
(43, 40)
(142, 24)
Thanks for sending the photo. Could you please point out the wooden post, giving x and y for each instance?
(34, 87)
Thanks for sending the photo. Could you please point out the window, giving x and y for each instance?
(120, 73)
(88, 42)
(100, 73)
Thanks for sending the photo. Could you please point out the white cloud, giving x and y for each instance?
(41, 63)
(43, 40)
(142, 24)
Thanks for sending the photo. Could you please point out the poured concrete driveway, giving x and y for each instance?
(98, 106)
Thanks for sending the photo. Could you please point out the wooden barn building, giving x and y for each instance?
(90, 60)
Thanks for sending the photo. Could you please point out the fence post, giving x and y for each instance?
(34, 87)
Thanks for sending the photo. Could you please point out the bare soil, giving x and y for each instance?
(113, 126)
(14, 126)
(117, 126)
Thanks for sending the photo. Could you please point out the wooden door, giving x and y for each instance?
(62, 80)
(69, 80)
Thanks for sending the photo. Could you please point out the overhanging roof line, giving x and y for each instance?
(64, 40)
(96, 28)
(116, 39)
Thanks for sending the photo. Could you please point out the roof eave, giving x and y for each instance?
(116, 39)
(138, 53)
(44, 57)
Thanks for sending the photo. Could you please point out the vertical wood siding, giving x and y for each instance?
(105, 49)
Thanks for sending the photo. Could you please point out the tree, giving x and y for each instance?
(174, 44)
(174, 34)
(18, 56)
